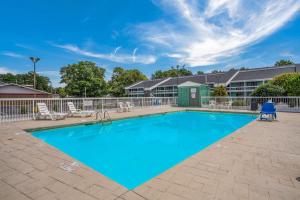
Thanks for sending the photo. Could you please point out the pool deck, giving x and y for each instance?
(258, 161)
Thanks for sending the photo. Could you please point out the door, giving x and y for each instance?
(194, 97)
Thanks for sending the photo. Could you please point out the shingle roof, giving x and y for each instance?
(11, 88)
(262, 73)
(146, 84)
(222, 77)
(182, 79)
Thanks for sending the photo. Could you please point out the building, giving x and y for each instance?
(237, 82)
(11, 90)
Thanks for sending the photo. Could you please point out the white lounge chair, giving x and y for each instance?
(122, 107)
(77, 112)
(129, 106)
(228, 104)
(45, 114)
(212, 104)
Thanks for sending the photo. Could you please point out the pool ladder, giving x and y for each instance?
(105, 119)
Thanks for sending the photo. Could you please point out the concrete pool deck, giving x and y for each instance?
(258, 161)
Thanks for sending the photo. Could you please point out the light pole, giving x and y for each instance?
(34, 60)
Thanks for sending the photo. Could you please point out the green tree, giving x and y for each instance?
(200, 72)
(244, 68)
(268, 90)
(216, 71)
(61, 92)
(82, 77)
(42, 82)
(284, 62)
(122, 78)
(290, 82)
(219, 91)
(173, 72)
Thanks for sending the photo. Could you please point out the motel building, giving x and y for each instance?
(11, 90)
(237, 82)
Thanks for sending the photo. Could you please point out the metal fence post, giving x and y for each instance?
(33, 114)
(102, 105)
(61, 106)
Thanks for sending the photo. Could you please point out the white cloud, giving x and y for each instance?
(117, 49)
(23, 46)
(13, 54)
(120, 58)
(86, 19)
(5, 70)
(207, 33)
(286, 54)
(133, 54)
(53, 75)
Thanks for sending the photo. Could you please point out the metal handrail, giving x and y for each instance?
(102, 119)
(97, 115)
(106, 112)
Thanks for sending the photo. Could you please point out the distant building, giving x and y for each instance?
(237, 82)
(11, 90)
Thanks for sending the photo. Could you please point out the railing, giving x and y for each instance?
(26, 109)
(283, 104)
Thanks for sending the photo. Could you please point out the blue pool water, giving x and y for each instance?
(132, 151)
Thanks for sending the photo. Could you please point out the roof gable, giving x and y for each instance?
(189, 84)
(11, 88)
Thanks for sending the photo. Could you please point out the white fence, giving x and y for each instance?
(26, 109)
(283, 104)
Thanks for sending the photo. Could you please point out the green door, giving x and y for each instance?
(183, 97)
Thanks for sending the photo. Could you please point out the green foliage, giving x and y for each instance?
(219, 91)
(82, 76)
(173, 72)
(239, 103)
(216, 71)
(244, 68)
(268, 90)
(200, 72)
(290, 82)
(122, 78)
(42, 82)
(284, 62)
(61, 92)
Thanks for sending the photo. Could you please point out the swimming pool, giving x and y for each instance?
(132, 151)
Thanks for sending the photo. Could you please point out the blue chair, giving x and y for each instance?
(269, 109)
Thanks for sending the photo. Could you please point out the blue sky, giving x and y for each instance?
(147, 35)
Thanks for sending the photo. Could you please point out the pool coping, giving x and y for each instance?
(142, 116)
(30, 130)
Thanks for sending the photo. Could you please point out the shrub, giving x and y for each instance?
(239, 103)
(290, 82)
(220, 91)
(268, 90)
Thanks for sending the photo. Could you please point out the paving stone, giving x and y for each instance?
(58, 187)
(15, 178)
(15, 196)
(101, 193)
(132, 196)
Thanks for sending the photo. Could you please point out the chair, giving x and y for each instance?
(268, 109)
(45, 114)
(121, 107)
(77, 112)
(228, 104)
(129, 106)
(212, 103)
